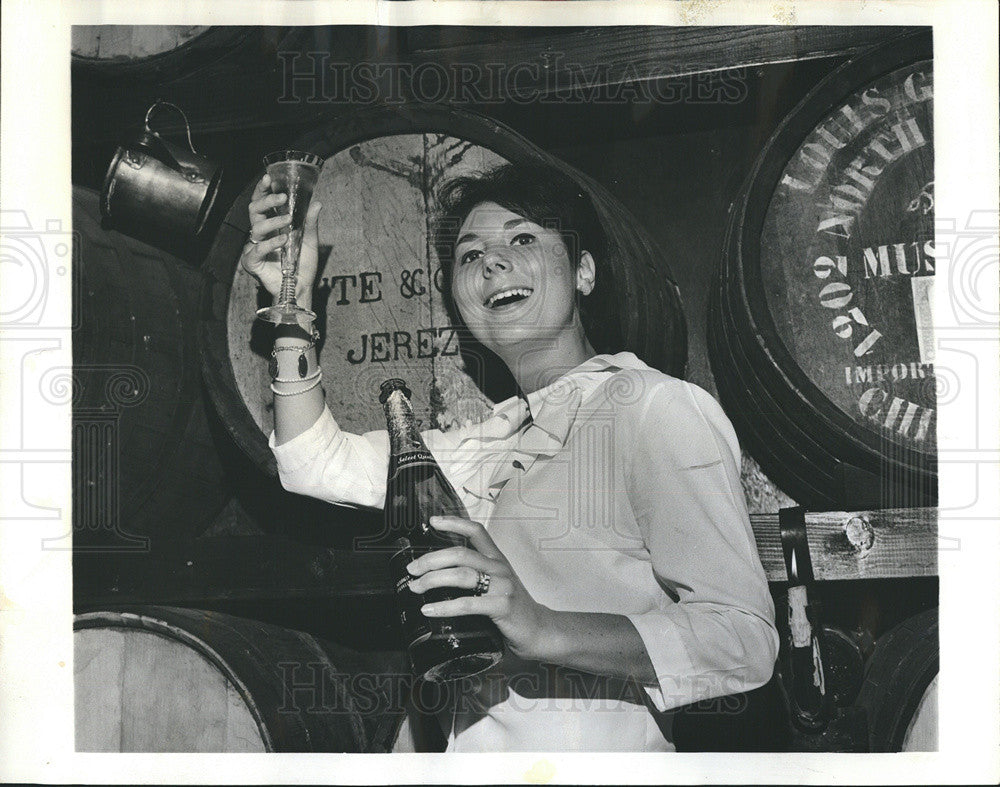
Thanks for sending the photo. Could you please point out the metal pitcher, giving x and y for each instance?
(155, 185)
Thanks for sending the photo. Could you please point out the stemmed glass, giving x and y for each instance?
(293, 172)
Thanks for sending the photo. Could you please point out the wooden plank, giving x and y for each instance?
(610, 55)
(592, 57)
(235, 568)
(173, 698)
(893, 543)
(903, 543)
(98, 664)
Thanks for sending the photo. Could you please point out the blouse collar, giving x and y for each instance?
(558, 389)
(554, 409)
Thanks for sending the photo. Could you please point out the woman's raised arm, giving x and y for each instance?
(298, 397)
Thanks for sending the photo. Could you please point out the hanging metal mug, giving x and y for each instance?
(156, 186)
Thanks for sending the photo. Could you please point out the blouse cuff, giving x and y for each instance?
(670, 659)
(302, 449)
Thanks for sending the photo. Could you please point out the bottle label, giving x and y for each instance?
(409, 458)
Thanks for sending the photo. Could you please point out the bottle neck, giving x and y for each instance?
(404, 438)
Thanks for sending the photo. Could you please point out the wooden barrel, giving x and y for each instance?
(899, 691)
(144, 461)
(166, 679)
(149, 52)
(819, 322)
(379, 301)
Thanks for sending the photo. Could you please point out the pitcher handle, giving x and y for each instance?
(187, 125)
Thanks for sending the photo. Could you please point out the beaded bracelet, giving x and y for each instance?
(301, 350)
(312, 376)
(309, 387)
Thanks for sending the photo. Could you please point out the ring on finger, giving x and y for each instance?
(253, 240)
(482, 584)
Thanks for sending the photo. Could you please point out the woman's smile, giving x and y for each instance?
(507, 297)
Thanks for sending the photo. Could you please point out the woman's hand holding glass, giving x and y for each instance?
(293, 412)
(260, 258)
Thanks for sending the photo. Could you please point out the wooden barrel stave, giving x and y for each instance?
(130, 42)
(784, 388)
(785, 433)
(794, 426)
(150, 52)
(136, 372)
(173, 679)
(922, 730)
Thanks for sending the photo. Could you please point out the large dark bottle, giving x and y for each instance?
(416, 489)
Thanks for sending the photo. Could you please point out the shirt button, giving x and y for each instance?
(518, 465)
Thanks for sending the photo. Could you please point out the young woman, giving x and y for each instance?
(606, 509)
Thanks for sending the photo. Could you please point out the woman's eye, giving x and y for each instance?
(470, 256)
(522, 239)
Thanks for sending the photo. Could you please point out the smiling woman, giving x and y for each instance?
(524, 261)
(607, 512)
(379, 283)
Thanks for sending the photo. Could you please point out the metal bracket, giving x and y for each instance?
(810, 706)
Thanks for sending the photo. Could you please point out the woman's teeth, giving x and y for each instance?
(511, 295)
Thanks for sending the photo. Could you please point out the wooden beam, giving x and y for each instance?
(229, 568)
(610, 55)
(893, 543)
(890, 544)
(573, 63)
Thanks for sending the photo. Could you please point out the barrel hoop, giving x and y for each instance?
(905, 661)
(768, 428)
(357, 727)
(764, 435)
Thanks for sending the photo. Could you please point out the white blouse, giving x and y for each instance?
(622, 495)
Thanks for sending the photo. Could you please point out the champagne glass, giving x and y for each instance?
(294, 173)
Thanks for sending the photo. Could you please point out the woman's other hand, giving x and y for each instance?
(260, 259)
(522, 620)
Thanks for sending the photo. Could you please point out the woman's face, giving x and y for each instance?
(513, 280)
